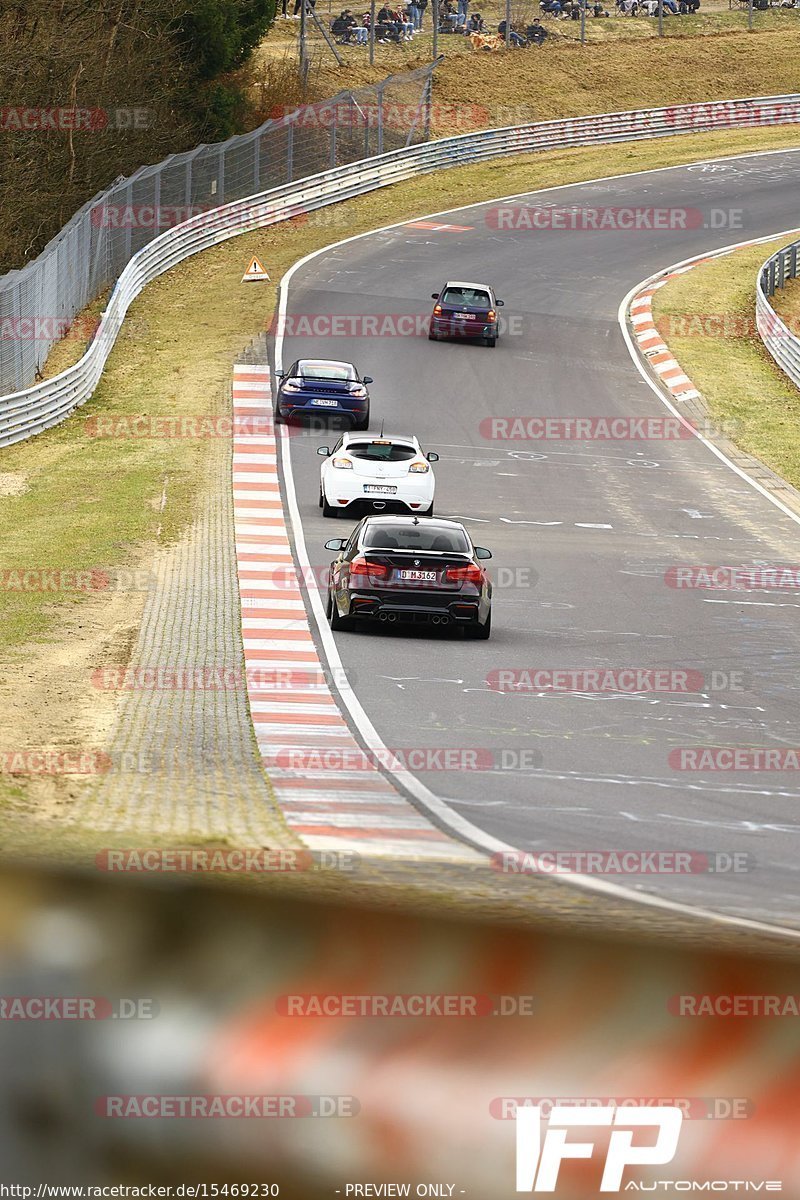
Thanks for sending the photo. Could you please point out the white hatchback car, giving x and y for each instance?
(376, 474)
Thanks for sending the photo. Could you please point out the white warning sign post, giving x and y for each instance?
(255, 273)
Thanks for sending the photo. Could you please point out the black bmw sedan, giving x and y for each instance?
(418, 569)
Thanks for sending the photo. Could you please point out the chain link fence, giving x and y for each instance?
(39, 302)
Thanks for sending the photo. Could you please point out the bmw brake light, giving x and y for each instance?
(363, 566)
(469, 574)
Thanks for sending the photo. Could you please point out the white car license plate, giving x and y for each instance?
(326, 403)
(418, 575)
(379, 487)
(464, 316)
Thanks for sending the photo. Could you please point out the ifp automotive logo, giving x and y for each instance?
(539, 1161)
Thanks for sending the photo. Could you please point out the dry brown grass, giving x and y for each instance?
(624, 65)
(75, 502)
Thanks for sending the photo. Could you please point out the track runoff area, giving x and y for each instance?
(618, 710)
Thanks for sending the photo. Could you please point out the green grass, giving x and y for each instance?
(98, 503)
(739, 381)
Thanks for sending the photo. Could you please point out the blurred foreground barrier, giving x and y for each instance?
(29, 411)
(781, 341)
(246, 1037)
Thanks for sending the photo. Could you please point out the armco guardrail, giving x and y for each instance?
(782, 343)
(89, 254)
(38, 407)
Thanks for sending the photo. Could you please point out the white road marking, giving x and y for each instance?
(444, 811)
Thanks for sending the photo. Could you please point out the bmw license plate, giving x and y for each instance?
(427, 576)
(378, 487)
(326, 403)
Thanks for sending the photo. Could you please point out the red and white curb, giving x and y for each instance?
(331, 794)
(652, 345)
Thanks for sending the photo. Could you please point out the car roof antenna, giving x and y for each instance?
(383, 422)
(415, 521)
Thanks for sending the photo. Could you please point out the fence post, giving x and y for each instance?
(289, 151)
(781, 271)
(380, 118)
(426, 100)
(793, 261)
(333, 135)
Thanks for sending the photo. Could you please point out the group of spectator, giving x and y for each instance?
(401, 24)
(391, 24)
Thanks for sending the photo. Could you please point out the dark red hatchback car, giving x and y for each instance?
(465, 310)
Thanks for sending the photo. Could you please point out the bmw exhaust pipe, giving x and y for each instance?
(391, 616)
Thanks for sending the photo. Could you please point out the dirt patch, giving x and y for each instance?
(95, 502)
(12, 485)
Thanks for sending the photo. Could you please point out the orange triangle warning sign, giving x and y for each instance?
(255, 272)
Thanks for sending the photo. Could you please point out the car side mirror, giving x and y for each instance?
(500, 303)
(336, 544)
(367, 379)
(482, 552)
(324, 451)
(432, 457)
(434, 295)
(279, 374)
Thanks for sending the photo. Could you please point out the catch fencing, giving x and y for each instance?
(150, 253)
(89, 254)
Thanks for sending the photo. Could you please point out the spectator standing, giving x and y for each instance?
(463, 10)
(414, 14)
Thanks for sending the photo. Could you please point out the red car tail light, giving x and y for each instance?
(437, 311)
(470, 574)
(363, 566)
(490, 316)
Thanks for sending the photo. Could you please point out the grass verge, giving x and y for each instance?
(726, 359)
(80, 502)
(623, 65)
(786, 303)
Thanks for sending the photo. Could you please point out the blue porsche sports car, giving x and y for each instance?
(323, 387)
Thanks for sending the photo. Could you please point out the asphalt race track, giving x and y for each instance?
(582, 534)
